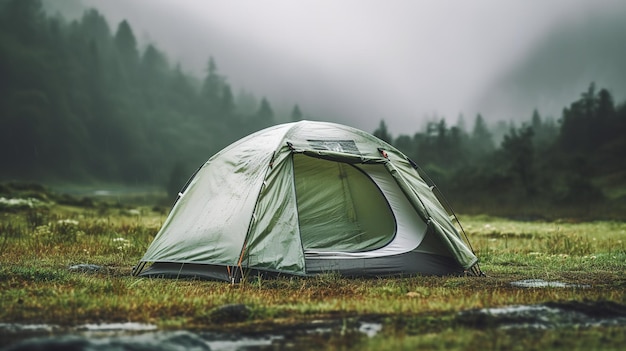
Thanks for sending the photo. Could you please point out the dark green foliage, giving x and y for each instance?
(518, 151)
(593, 125)
(382, 133)
(126, 44)
(178, 177)
(265, 114)
(81, 103)
(482, 140)
(296, 114)
(577, 163)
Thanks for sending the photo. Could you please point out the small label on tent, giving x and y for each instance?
(347, 146)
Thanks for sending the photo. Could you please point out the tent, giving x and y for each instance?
(305, 198)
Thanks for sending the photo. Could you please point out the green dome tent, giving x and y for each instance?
(306, 198)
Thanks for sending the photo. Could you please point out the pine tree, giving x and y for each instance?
(227, 102)
(519, 151)
(296, 114)
(382, 133)
(212, 85)
(265, 114)
(126, 43)
(481, 139)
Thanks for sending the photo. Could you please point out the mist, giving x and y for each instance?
(357, 62)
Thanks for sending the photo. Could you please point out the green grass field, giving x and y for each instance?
(39, 244)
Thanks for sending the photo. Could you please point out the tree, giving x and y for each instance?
(212, 85)
(460, 123)
(94, 27)
(227, 102)
(154, 61)
(481, 139)
(24, 18)
(604, 126)
(126, 55)
(25, 131)
(404, 143)
(296, 114)
(247, 103)
(126, 43)
(79, 103)
(382, 133)
(606, 106)
(518, 149)
(265, 114)
(586, 123)
(545, 132)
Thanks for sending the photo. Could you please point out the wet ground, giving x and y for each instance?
(136, 336)
(572, 314)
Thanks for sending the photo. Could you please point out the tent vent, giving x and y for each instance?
(347, 146)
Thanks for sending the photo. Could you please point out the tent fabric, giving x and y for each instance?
(303, 198)
(348, 212)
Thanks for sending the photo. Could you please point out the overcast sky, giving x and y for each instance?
(355, 61)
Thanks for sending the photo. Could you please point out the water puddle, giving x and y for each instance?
(13, 328)
(547, 316)
(165, 341)
(370, 329)
(540, 283)
(116, 327)
(8, 328)
(139, 337)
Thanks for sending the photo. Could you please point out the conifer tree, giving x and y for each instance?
(265, 114)
(212, 85)
(296, 114)
(481, 139)
(126, 43)
(382, 133)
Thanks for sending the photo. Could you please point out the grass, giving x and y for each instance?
(39, 244)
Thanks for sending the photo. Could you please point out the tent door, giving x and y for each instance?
(340, 208)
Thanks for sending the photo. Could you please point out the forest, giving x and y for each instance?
(81, 102)
(575, 163)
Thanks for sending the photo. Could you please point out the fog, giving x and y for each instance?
(360, 61)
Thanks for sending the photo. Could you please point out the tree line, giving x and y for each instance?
(576, 161)
(80, 102)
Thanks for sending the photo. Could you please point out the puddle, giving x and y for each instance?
(147, 341)
(15, 332)
(139, 337)
(540, 283)
(116, 327)
(235, 342)
(370, 329)
(103, 327)
(26, 328)
(547, 316)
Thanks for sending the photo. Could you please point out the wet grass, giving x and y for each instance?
(39, 244)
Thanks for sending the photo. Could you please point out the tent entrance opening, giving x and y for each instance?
(340, 208)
